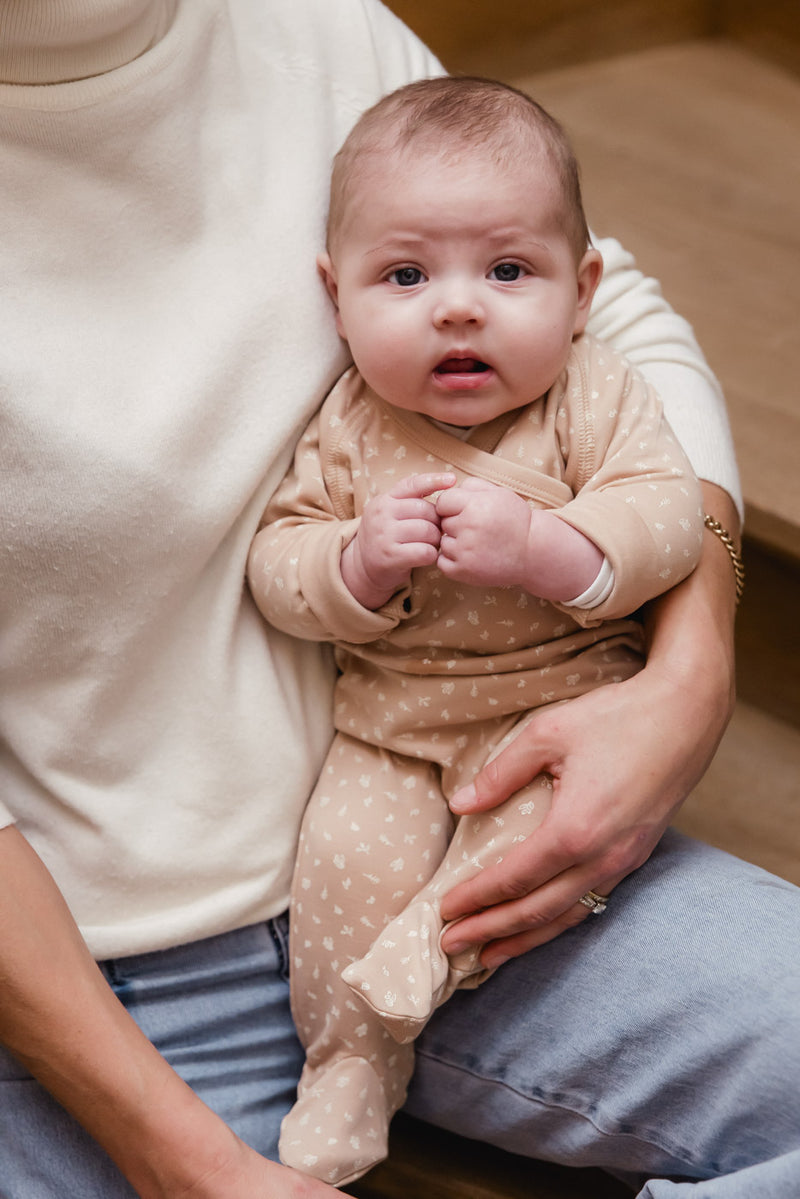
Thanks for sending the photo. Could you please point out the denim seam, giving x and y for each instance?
(680, 1153)
(279, 931)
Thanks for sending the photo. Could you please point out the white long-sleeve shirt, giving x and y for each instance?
(165, 339)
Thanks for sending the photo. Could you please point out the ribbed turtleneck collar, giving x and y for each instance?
(58, 41)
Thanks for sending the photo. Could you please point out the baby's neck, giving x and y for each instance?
(460, 431)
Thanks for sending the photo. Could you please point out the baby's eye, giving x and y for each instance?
(406, 276)
(505, 272)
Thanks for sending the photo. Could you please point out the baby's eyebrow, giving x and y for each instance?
(399, 241)
(514, 238)
(508, 233)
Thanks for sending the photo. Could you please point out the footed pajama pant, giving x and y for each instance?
(378, 850)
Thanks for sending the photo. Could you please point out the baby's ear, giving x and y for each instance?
(590, 272)
(328, 272)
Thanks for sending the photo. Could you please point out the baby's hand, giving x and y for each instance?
(484, 534)
(491, 537)
(398, 531)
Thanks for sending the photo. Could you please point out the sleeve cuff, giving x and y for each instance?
(597, 592)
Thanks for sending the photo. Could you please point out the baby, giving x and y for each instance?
(483, 499)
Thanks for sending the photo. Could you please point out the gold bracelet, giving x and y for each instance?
(735, 556)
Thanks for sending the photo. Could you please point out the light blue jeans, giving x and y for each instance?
(660, 1041)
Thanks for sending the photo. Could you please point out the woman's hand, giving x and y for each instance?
(622, 758)
(247, 1175)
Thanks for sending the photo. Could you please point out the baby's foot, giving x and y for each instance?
(339, 1126)
(406, 975)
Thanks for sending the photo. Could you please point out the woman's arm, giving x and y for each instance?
(609, 807)
(64, 1023)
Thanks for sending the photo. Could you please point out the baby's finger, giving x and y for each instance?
(450, 503)
(473, 484)
(413, 528)
(418, 486)
(411, 554)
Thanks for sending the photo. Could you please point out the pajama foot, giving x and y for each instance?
(339, 1126)
(406, 976)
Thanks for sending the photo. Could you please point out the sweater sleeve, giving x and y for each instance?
(294, 563)
(636, 495)
(631, 314)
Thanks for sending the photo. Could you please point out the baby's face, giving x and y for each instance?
(456, 285)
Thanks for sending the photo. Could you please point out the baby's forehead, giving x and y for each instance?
(427, 202)
(382, 148)
(506, 146)
(404, 161)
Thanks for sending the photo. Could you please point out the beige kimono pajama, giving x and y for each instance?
(431, 686)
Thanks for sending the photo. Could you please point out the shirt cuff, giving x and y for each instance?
(597, 592)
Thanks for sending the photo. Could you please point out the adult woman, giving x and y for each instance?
(163, 183)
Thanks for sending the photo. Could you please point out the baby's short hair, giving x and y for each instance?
(459, 114)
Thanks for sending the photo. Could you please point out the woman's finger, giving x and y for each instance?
(510, 929)
(519, 762)
(539, 860)
(495, 953)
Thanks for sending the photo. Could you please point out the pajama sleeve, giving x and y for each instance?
(294, 564)
(636, 495)
(630, 313)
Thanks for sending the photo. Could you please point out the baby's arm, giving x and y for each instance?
(636, 504)
(490, 536)
(320, 569)
(294, 565)
(397, 532)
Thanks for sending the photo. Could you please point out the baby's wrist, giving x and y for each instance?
(534, 566)
(561, 562)
(364, 590)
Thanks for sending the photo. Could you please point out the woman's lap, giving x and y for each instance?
(218, 1010)
(661, 1037)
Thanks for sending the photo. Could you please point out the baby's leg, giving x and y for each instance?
(406, 975)
(374, 831)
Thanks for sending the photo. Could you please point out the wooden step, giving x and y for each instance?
(502, 37)
(749, 801)
(495, 37)
(689, 157)
(768, 634)
(425, 1163)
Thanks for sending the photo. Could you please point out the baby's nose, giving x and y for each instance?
(458, 305)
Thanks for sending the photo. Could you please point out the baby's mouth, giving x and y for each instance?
(461, 366)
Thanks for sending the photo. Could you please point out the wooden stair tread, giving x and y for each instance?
(748, 801)
(689, 157)
(426, 1163)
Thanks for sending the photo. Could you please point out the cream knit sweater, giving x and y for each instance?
(165, 338)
